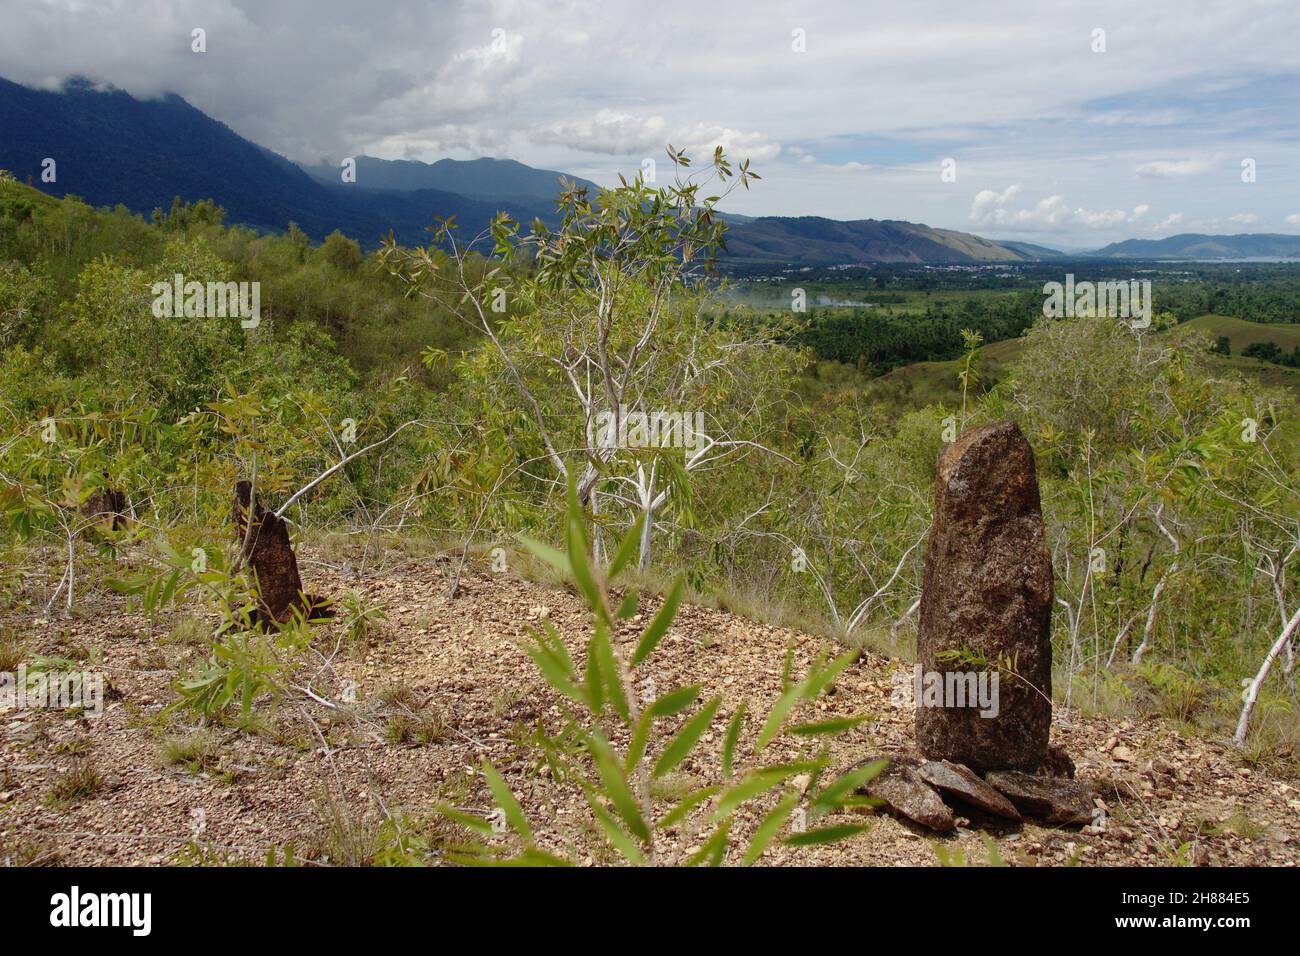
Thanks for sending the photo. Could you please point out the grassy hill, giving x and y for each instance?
(1199, 246)
(813, 240)
(1242, 333)
(924, 383)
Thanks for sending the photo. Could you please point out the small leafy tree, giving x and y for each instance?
(614, 747)
(600, 319)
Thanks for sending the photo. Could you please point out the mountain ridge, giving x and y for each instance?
(112, 148)
(1198, 245)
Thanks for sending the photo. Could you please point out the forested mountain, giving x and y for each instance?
(1191, 245)
(812, 240)
(485, 178)
(111, 148)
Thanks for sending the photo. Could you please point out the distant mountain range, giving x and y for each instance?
(1192, 245)
(812, 240)
(112, 148)
(489, 180)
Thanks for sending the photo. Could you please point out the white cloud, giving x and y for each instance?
(609, 131)
(1163, 169)
(987, 202)
(1052, 213)
(625, 134)
(701, 139)
(1293, 219)
(568, 84)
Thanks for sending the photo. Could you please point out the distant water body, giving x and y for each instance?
(1292, 259)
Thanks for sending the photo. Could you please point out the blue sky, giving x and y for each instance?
(847, 109)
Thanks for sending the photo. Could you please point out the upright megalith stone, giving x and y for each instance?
(267, 550)
(987, 600)
(107, 508)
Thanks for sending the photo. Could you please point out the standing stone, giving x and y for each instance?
(271, 557)
(988, 589)
(107, 508)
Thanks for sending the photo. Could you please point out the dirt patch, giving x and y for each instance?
(444, 683)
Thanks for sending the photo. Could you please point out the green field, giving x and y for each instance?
(1242, 333)
(925, 383)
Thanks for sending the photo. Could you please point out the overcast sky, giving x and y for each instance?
(1053, 141)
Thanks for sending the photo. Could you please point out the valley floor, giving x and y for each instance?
(320, 777)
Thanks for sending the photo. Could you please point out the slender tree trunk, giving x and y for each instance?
(1251, 694)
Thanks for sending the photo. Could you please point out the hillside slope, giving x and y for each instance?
(458, 664)
(1190, 245)
(922, 383)
(111, 148)
(483, 179)
(813, 240)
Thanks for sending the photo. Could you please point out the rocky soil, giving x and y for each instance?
(444, 683)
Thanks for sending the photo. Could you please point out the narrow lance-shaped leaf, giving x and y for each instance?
(616, 787)
(844, 785)
(507, 802)
(477, 824)
(819, 680)
(830, 834)
(616, 834)
(609, 671)
(675, 701)
(734, 726)
(687, 804)
(582, 570)
(627, 548)
(825, 727)
(714, 849)
(770, 827)
(684, 741)
(659, 626)
(776, 716)
(548, 554)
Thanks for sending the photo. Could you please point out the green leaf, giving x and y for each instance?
(548, 554)
(595, 682)
(776, 716)
(770, 827)
(684, 741)
(712, 852)
(507, 802)
(675, 701)
(616, 834)
(616, 787)
(628, 608)
(687, 804)
(833, 726)
(581, 569)
(733, 737)
(662, 621)
(556, 667)
(477, 824)
(640, 737)
(830, 834)
(627, 548)
(844, 785)
(609, 671)
(750, 786)
(820, 680)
